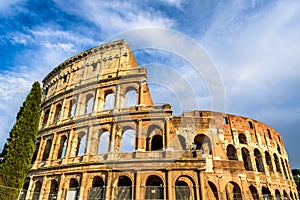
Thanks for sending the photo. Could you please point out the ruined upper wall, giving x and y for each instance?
(99, 63)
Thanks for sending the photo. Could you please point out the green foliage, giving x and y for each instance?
(19, 148)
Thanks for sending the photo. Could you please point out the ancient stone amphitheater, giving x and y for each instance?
(101, 137)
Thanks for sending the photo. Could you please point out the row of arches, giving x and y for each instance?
(87, 105)
(73, 144)
(184, 189)
(281, 165)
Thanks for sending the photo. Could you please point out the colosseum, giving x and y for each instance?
(101, 137)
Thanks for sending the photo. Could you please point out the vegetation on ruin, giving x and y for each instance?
(19, 148)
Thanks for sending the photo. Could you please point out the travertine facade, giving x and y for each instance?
(101, 137)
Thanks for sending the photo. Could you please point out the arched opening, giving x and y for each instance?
(269, 133)
(233, 191)
(109, 101)
(103, 141)
(182, 142)
(154, 188)
(259, 161)
(62, 146)
(284, 169)
(184, 188)
(254, 192)
(277, 195)
(124, 188)
(37, 190)
(291, 195)
(47, 150)
(278, 149)
(213, 191)
(36, 150)
(73, 191)
(89, 103)
(57, 112)
(24, 189)
(276, 160)
(97, 191)
(72, 108)
(285, 195)
(231, 152)
(202, 142)
(247, 159)
(128, 140)
(81, 144)
(269, 161)
(155, 139)
(288, 170)
(266, 193)
(53, 190)
(242, 138)
(130, 98)
(46, 116)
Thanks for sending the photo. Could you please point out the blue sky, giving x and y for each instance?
(254, 45)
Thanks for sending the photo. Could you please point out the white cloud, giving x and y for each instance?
(116, 16)
(6, 7)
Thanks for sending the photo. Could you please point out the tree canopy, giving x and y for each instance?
(19, 148)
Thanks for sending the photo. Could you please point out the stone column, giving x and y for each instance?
(202, 184)
(60, 191)
(84, 182)
(44, 192)
(30, 189)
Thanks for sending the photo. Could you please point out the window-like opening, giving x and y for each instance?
(231, 152)
(72, 108)
(89, 103)
(242, 138)
(254, 192)
(269, 161)
(182, 190)
(62, 146)
(124, 188)
(279, 138)
(213, 190)
(266, 193)
(285, 195)
(128, 139)
(291, 195)
(36, 150)
(233, 191)
(284, 169)
(225, 120)
(259, 161)
(247, 159)
(155, 139)
(73, 191)
(250, 125)
(277, 195)
(65, 78)
(103, 141)
(182, 142)
(269, 133)
(53, 190)
(97, 191)
(81, 144)
(154, 188)
(57, 112)
(288, 170)
(46, 116)
(202, 142)
(130, 98)
(47, 150)
(109, 101)
(278, 149)
(94, 66)
(25, 189)
(37, 190)
(276, 160)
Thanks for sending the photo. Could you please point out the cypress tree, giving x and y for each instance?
(19, 148)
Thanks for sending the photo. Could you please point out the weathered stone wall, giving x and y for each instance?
(101, 135)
